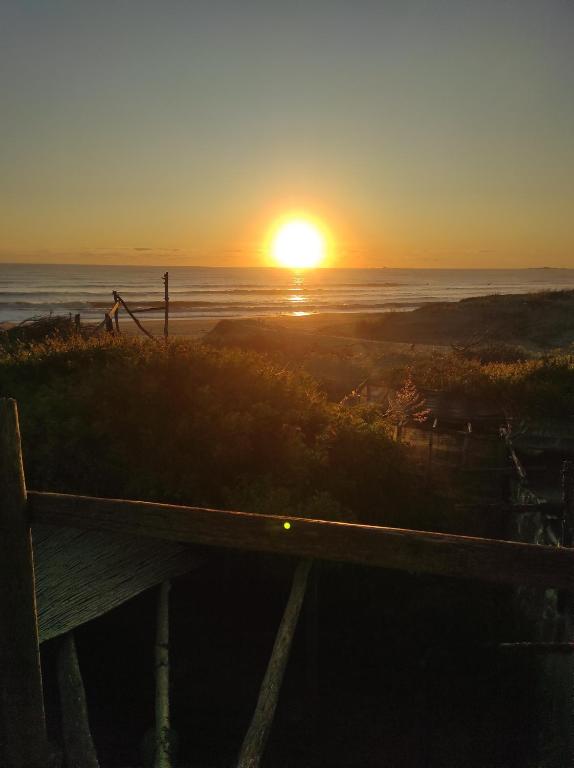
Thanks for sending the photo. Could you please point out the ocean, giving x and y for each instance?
(29, 290)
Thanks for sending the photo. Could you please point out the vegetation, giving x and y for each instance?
(537, 387)
(335, 367)
(537, 320)
(36, 329)
(187, 423)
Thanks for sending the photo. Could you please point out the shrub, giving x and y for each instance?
(538, 387)
(187, 423)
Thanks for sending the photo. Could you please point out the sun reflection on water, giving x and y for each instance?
(297, 295)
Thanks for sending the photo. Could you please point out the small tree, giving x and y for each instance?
(406, 404)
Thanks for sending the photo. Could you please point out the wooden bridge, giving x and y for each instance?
(65, 559)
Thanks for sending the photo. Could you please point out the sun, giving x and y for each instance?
(298, 244)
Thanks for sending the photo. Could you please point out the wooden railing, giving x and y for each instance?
(444, 554)
(22, 725)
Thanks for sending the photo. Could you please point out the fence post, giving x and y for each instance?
(166, 300)
(163, 745)
(79, 747)
(568, 502)
(466, 445)
(117, 312)
(251, 753)
(23, 742)
(312, 631)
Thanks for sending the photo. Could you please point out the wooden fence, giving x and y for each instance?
(22, 723)
(111, 321)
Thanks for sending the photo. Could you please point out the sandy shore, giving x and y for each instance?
(196, 327)
(191, 327)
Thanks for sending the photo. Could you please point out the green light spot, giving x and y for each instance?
(286, 526)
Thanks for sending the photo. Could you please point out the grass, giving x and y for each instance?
(186, 423)
(537, 320)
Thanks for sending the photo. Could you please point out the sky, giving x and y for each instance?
(424, 133)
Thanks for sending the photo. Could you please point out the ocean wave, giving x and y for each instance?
(183, 308)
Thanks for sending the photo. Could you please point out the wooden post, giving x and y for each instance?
(555, 671)
(258, 733)
(465, 445)
(166, 300)
(77, 322)
(566, 597)
(79, 750)
(134, 318)
(312, 631)
(23, 741)
(568, 501)
(162, 725)
(116, 313)
(430, 452)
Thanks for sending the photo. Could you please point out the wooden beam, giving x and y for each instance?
(114, 310)
(81, 575)
(163, 747)
(138, 310)
(416, 551)
(134, 318)
(255, 740)
(23, 741)
(117, 305)
(79, 747)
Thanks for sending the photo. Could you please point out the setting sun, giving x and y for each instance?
(298, 244)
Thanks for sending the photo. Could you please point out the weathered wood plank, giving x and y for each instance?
(408, 550)
(79, 749)
(134, 318)
(81, 574)
(163, 747)
(23, 741)
(258, 732)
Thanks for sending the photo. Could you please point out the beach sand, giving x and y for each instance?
(196, 327)
(189, 327)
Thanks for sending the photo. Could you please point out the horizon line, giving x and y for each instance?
(267, 266)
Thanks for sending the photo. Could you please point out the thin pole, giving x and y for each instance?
(166, 300)
(162, 725)
(23, 742)
(116, 313)
(79, 747)
(256, 738)
(134, 318)
(567, 601)
(312, 631)
(430, 453)
(466, 444)
(568, 502)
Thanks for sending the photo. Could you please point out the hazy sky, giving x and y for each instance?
(432, 133)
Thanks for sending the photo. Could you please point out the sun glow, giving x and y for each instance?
(298, 244)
